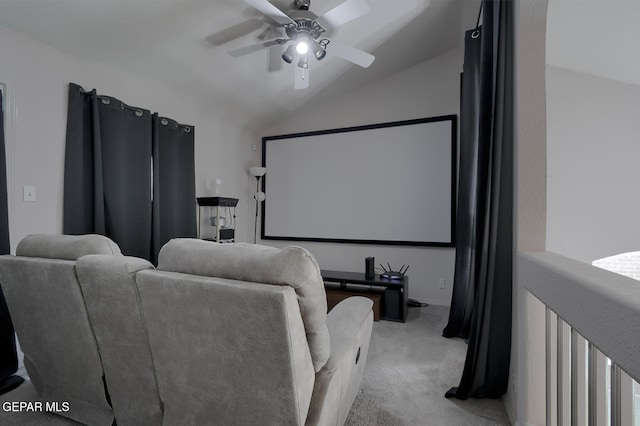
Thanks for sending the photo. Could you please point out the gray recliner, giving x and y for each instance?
(49, 315)
(111, 298)
(218, 334)
(240, 335)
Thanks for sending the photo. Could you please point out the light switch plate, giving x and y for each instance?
(29, 193)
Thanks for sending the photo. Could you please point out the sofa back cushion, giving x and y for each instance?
(291, 266)
(49, 315)
(226, 352)
(113, 304)
(68, 247)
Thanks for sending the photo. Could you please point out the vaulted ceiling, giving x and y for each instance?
(598, 37)
(184, 44)
(181, 43)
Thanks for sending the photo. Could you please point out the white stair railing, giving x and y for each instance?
(591, 340)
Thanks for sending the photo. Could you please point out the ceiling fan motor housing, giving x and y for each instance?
(303, 4)
(305, 24)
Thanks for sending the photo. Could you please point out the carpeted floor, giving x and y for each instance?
(409, 368)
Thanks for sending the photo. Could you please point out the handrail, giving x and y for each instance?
(602, 306)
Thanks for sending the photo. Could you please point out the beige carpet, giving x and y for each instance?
(409, 368)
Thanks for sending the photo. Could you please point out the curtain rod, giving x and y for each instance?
(139, 112)
(164, 121)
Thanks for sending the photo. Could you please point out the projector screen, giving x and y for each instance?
(389, 183)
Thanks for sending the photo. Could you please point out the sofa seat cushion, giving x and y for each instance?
(290, 266)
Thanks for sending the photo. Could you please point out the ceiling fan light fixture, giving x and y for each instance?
(288, 54)
(304, 32)
(318, 51)
(303, 62)
(302, 47)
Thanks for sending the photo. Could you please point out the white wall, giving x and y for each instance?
(521, 400)
(591, 192)
(429, 89)
(38, 77)
(593, 130)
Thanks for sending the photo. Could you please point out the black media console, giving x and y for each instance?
(396, 292)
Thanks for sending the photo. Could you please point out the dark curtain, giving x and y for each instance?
(481, 307)
(107, 180)
(467, 215)
(174, 206)
(8, 353)
(108, 174)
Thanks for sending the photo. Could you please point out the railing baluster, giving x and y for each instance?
(547, 321)
(592, 385)
(574, 377)
(616, 407)
(560, 371)
(577, 389)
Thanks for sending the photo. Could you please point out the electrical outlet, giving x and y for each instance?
(29, 193)
(441, 283)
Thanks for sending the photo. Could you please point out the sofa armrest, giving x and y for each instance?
(337, 383)
(344, 322)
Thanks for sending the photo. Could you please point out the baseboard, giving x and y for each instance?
(434, 302)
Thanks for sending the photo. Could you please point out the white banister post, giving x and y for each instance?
(592, 387)
(553, 378)
(615, 395)
(560, 372)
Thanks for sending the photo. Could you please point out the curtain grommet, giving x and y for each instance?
(187, 129)
(164, 121)
(138, 113)
(475, 34)
(105, 101)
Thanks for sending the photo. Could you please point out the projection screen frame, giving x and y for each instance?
(453, 181)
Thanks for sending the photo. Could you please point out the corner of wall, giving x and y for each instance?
(530, 217)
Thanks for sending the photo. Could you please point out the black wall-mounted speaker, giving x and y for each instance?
(369, 272)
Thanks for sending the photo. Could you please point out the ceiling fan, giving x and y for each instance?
(305, 35)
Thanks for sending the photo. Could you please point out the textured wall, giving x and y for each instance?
(37, 78)
(523, 401)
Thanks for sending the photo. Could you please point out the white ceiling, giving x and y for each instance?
(598, 37)
(171, 41)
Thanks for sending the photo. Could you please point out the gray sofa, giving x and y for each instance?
(216, 334)
(48, 311)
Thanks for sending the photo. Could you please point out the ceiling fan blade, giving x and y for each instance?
(271, 32)
(351, 54)
(233, 32)
(275, 59)
(301, 78)
(343, 13)
(271, 11)
(255, 47)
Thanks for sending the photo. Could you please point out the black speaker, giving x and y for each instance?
(369, 272)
